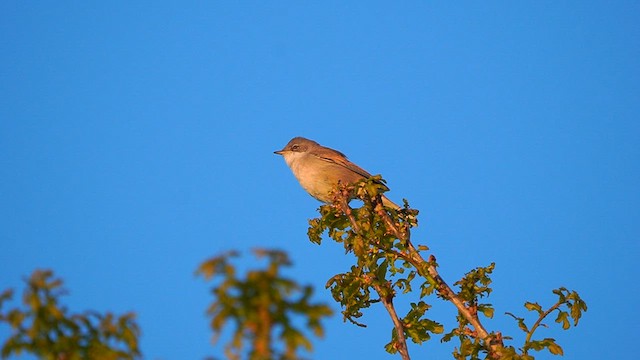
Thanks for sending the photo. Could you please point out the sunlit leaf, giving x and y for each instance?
(563, 317)
(533, 306)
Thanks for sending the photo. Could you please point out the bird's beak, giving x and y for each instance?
(279, 152)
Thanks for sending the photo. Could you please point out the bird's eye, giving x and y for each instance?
(295, 147)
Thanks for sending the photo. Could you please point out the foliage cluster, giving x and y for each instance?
(263, 306)
(387, 265)
(48, 330)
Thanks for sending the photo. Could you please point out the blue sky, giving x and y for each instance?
(137, 141)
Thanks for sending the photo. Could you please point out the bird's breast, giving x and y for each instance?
(316, 176)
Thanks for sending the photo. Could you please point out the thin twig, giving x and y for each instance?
(347, 210)
(539, 321)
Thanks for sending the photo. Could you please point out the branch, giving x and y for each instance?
(426, 269)
(377, 233)
(385, 296)
(387, 300)
(444, 289)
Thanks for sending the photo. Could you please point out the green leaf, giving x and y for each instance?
(487, 310)
(577, 308)
(555, 349)
(533, 306)
(563, 317)
(381, 272)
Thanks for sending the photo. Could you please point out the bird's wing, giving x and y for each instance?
(338, 158)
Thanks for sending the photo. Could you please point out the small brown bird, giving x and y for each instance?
(319, 168)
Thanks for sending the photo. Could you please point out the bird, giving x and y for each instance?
(319, 169)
